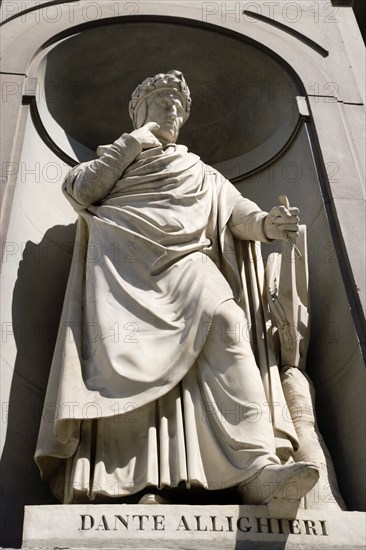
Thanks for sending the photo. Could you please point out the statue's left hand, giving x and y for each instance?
(282, 224)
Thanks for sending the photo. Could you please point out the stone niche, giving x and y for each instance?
(249, 119)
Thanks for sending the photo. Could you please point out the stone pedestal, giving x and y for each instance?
(188, 527)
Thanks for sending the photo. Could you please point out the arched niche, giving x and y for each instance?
(244, 109)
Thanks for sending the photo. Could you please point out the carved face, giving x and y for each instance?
(167, 109)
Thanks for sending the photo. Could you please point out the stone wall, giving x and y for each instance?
(256, 58)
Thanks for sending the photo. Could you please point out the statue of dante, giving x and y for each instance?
(162, 374)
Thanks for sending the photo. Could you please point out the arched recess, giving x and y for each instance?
(39, 216)
(83, 91)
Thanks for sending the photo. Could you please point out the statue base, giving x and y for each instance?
(185, 527)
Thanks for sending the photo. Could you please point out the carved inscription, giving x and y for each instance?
(202, 523)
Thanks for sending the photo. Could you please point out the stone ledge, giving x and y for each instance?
(178, 527)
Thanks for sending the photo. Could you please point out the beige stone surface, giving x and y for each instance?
(193, 527)
(32, 274)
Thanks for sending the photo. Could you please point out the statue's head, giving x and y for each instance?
(165, 99)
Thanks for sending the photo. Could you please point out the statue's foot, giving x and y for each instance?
(151, 498)
(286, 483)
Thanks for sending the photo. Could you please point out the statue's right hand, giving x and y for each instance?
(145, 135)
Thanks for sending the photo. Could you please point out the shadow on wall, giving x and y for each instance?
(36, 310)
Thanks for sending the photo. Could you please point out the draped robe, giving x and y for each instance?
(153, 259)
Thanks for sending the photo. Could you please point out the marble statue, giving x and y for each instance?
(163, 373)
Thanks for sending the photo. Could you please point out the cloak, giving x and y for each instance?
(152, 261)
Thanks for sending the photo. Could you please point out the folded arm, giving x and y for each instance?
(92, 181)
